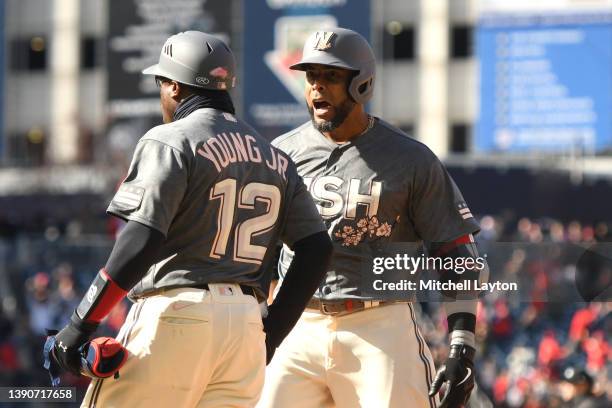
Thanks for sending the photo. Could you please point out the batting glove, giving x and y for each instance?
(68, 343)
(458, 373)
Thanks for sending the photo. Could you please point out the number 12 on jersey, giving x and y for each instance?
(226, 192)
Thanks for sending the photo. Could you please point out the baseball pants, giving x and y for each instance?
(373, 358)
(188, 348)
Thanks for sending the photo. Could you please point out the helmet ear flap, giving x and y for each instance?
(364, 86)
(361, 87)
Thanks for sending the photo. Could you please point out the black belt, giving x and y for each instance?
(339, 307)
(252, 291)
(246, 290)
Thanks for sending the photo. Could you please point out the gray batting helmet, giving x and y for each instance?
(342, 48)
(197, 59)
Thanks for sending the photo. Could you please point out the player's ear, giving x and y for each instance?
(175, 89)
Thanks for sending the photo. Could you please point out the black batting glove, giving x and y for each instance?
(458, 373)
(69, 341)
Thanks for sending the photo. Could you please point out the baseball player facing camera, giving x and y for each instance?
(204, 199)
(373, 186)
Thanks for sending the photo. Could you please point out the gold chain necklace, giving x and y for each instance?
(370, 124)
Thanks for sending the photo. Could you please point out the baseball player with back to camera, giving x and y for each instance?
(204, 198)
(374, 186)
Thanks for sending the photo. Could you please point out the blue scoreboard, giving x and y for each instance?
(545, 83)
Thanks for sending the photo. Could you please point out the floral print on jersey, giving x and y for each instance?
(352, 232)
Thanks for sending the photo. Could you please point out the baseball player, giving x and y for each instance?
(204, 199)
(374, 186)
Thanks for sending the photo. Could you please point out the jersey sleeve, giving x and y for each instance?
(303, 218)
(154, 187)
(438, 210)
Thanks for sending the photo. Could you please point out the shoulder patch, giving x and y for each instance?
(464, 211)
(128, 197)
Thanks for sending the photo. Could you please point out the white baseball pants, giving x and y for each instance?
(373, 358)
(188, 348)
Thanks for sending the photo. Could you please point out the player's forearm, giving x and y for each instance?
(462, 325)
(309, 265)
(134, 252)
(468, 266)
(460, 305)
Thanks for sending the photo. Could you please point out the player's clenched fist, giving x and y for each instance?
(68, 343)
(458, 373)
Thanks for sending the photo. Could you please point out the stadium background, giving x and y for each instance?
(515, 98)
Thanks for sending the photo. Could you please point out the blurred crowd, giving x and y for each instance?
(42, 279)
(49, 300)
(544, 346)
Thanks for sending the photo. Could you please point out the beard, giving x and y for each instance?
(342, 113)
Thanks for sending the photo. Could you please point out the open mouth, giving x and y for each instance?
(322, 107)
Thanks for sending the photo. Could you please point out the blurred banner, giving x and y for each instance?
(545, 76)
(274, 34)
(137, 32)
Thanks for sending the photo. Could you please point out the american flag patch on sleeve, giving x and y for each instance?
(464, 211)
(128, 197)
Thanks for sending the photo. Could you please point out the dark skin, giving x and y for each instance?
(328, 99)
(171, 93)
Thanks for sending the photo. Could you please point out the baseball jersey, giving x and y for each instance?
(221, 195)
(381, 187)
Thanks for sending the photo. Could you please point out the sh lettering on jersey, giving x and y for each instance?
(351, 227)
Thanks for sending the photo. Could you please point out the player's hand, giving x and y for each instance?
(458, 373)
(68, 343)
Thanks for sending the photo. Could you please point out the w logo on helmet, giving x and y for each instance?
(324, 40)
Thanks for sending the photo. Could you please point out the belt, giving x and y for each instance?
(342, 307)
(251, 291)
(246, 290)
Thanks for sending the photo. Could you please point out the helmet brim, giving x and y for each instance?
(153, 70)
(321, 60)
(158, 71)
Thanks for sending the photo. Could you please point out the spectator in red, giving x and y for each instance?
(502, 321)
(549, 350)
(9, 361)
(500, 387)
(597, 350)
(581, 321)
